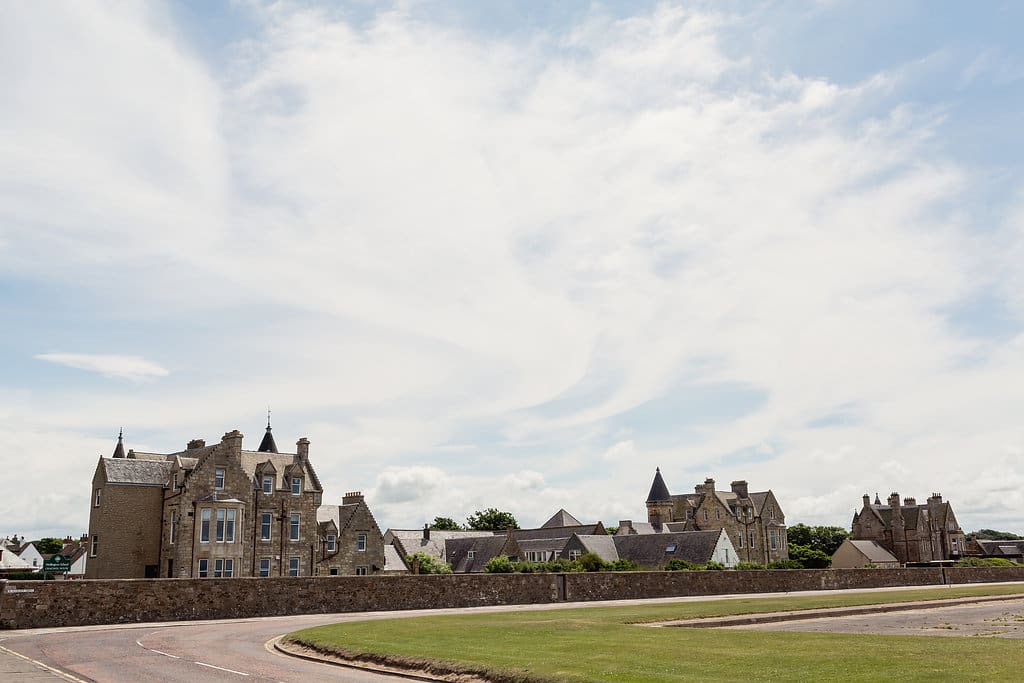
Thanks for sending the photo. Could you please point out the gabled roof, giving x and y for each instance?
(998, 548)
(134, 471)
(10, 561)
(393, 560)
(653, 550)
(659, 492)
(410, 541)
(602, 546)
(872, 551)
(561, 518)
(484, 548)
(554, 531)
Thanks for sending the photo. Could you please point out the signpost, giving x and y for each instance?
(56, 564)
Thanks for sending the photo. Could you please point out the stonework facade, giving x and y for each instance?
(913, 533)
(213, 512)
(754, 521)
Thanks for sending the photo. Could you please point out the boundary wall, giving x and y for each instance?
(38, 604)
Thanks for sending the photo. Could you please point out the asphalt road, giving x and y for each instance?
(229, 650)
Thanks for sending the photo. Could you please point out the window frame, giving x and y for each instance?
(96, 498)
(94, 545)
(293, 566)
(361, 543)
(205, 515)
(268, 484)
(221, 523)
(267, 524)
(219, 475)
(362, 570)
(332, 542)
(296, 484)
(229, 528)
(173, 525)
(295, 527)
(203, 568)
(264, 572)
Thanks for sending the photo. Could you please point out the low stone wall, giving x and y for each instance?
(33, 604)
(625, 585)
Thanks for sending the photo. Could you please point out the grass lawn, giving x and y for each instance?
(601, 644)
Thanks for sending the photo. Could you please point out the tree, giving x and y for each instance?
(808, 557)
(491, 519)
(499, 564)
(423, 563)
(827, 539)
(993, 535)
(591, 562)
(48, 546)
(445, 524)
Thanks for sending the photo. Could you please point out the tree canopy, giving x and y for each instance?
(445, 524)
(993, 535)
(48, 546)
(827, 539)
(491, 519)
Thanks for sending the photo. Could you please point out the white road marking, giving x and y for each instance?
(58, 672)
(149, 649)
(220, 668)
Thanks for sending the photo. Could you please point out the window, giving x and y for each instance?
(333, 571)
(689, 513)
(174, 523)
(772, 539)
(574, 555)
(362, 571)
(705, 515)
(751, 538)
(268, 483)
(296, 485)
(670, 548)
(204, 525)
(94, 546)
(230, 532)
(361, 542)
(293, 527)
(229, 568)
(718, 513)
(264, 566)
(265, 520)
(218, 568)
(471, 554)
(220, 525)
(331, 542)
(771, 512)
(218, 478)
(293, 566)
(740, 539)
(96, 500)
(204, 568)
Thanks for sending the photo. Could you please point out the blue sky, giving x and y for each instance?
(518, 254)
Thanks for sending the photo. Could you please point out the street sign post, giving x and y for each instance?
(57, 564)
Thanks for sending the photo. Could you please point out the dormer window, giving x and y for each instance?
(296, 485)
(268, 484)
(218, 478)
(331, 542)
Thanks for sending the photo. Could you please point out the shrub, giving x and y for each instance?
(785, 564)
(591, 562)
(623, 566)
(499, 564)
(984, 562)
(714, 566)
(528, 567)
(748, 565)
(561, 566)
(681, 566)
(808, 557)
(428, 564)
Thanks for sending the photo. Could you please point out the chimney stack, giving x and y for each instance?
(352, 497)
(910, 502)
(709, 485)
(867, 500)
(894, 500)
(740, 488)
(195, 443)
(302, 448)
(426, 532)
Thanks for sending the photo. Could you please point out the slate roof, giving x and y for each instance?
(341, 515)
(998, 548)
(653, 550)
(393, 561)
(554, 532)
(659, 492)
(11, 562)
(410, 541)
(268, 445)
(603, 546)
(873, 551)
(251, 460)
(136, 471)
(561, 518)
(484, 548)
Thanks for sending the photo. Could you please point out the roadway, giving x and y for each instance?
(225, 650)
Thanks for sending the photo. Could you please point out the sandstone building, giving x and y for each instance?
(753, 520)
(222, 511)
(913, 533)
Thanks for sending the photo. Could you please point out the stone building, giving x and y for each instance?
(754, 520)
(217, 511)
(913, 533)
(351, 540)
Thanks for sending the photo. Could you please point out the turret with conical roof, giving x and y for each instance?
(119, 448)
(268, 445)
(659, 502)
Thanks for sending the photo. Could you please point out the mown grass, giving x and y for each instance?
(601, 644)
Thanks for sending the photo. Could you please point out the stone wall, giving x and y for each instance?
(33, 604)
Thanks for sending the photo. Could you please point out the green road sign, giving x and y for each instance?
(57, 564)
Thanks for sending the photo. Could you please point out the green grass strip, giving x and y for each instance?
(602, 644)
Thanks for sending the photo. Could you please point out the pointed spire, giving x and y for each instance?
(119, 448)
(268, 445)
(877, 501)
(659, 492)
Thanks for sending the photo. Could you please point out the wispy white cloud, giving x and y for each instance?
(124, 367)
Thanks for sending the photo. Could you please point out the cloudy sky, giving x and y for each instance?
(518, 254)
